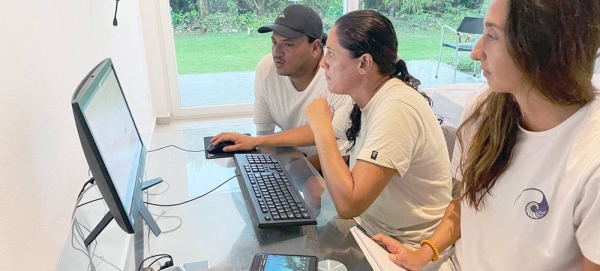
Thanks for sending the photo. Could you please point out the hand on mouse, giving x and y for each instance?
(402, 256)
(242, 142)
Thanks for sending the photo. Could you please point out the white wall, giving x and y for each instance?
(46, 48)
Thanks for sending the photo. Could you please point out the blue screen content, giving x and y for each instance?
(115, 135)
(286, 263)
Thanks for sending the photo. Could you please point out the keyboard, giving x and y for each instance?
(270, 195)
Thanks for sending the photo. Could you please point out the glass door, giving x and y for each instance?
(217, 49)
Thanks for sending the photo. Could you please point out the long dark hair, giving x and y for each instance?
(558, 67)
(369, 32)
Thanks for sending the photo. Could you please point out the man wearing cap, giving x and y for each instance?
(290, 77)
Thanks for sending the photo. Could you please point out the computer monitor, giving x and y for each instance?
(113, 148)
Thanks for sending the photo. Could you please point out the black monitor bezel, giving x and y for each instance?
(88, 86)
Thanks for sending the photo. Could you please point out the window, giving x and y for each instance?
(218, 47)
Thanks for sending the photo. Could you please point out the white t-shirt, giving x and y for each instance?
(544, 211)
(277, 102)
(399, 130)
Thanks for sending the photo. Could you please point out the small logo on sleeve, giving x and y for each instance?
(374, 155)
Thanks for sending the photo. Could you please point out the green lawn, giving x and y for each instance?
(241, 52)
(419, 45)
(220, 52)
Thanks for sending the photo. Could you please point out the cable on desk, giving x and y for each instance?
(176, 204)
(81, 193)
(86, 203)
(88, 254)
(79, 199)
(94, 200)
(162, 215)
(158, 149)
(83, 189)
(168, 205)
(160, 256)
(93, 252)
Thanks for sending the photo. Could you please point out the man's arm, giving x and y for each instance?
(260, 131)
(298, 137)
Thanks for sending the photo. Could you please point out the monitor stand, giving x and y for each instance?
(143, 212)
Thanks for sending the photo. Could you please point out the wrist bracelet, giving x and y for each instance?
(436, 253)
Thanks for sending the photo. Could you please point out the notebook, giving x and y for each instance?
(376, 255)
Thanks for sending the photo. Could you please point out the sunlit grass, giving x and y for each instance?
(241, 52)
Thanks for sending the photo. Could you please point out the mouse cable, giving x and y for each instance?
(176, 204)
(86, 203)
(160, 256)
(158, 149)
(76, 227)
(169, 205)
(162, 215)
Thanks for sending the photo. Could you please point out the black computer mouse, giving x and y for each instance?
(219, 147)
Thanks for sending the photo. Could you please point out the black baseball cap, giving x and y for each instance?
(296, 21)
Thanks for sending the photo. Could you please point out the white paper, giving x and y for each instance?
(376, 255)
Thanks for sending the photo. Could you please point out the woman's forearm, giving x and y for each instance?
(448, 231)
(338, 177)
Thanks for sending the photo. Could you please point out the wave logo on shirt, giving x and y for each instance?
(535, 209)
(374, 155)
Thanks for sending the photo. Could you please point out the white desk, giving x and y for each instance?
(449, 100)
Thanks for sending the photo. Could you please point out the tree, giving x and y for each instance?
(183, 6)
(258, 6)
(203, 8)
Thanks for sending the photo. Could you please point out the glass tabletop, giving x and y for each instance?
(215, 228)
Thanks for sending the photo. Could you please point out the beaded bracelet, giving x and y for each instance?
(436, 253)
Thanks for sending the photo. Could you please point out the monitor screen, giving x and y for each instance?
(112, 146)
(115, 134)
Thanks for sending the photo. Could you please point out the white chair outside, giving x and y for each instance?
(467, 33)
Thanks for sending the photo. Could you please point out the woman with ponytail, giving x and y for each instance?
(398, 181)
(529, 160)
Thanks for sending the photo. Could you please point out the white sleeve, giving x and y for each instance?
(341, 121)
(586, 216)
(341, 103)
(338, 101)
(261, 114)
(392, 138)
